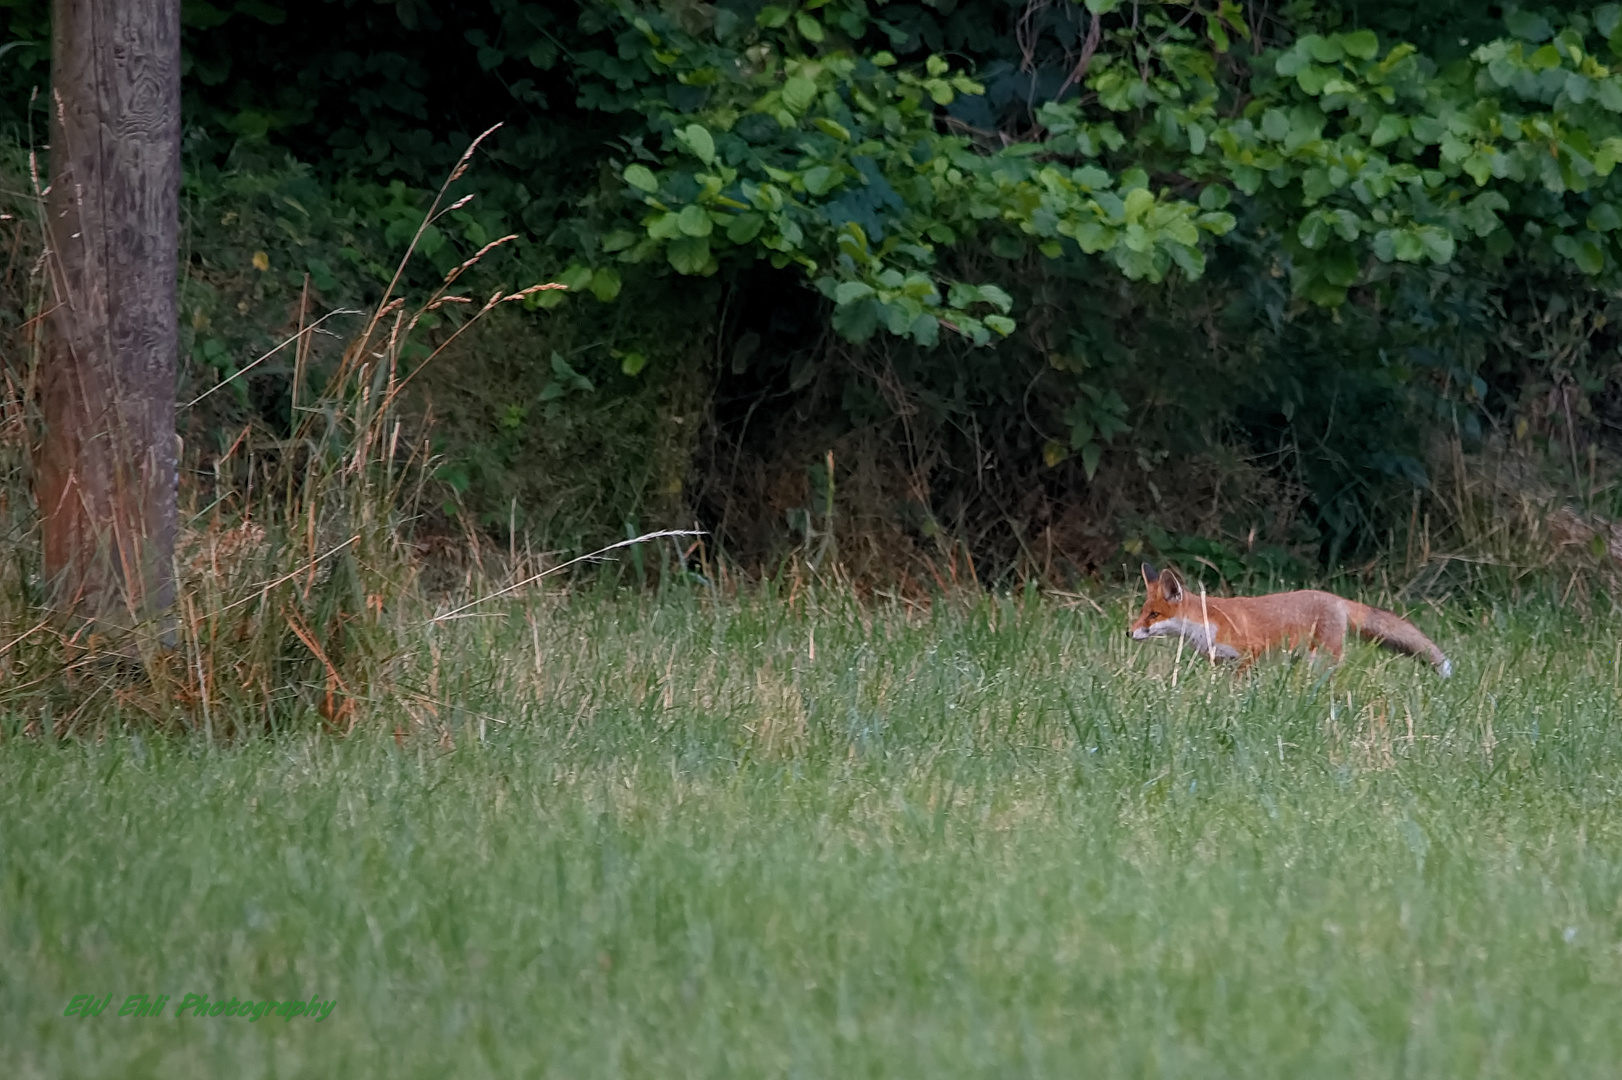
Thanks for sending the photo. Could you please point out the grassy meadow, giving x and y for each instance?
(802, 837)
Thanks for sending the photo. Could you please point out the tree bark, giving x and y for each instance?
(106, 467)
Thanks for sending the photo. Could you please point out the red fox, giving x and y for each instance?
(1243, 627)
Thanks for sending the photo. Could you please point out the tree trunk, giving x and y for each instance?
(106, 468)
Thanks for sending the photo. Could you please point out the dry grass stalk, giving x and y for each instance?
(295, 571)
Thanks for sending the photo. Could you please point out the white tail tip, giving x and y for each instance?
(1445, 668)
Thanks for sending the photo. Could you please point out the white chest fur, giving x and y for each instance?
(1200, 635)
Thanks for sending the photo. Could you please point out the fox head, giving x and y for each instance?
(1163, 607)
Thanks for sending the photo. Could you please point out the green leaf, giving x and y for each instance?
(605, 283)
(925, 330)
(832, 127)
(798, 93)
(618, 240)
(1604, 218)
(694, 220)
(819, 179)
(1406, 245)
(898, 317)
(1000, 323)
(567, 376)
(1092, 237)
(1247, 179)
(745, 227)
(848, 292)
(1479, 166)
(920, 288)
(666, 226)
(808, 26)
(1181, 231)
(1323, 293)
(1314, 231)
(431, 240)
(1190, 259)
(1608, 154)
(1385, 245)
(641, 178)
(1481, 213)
(1390, 128)
(1291, 61)
(1138, 203)
(632, 363)
(1590, 257)
(1325, 50)
(1545, 58)
(697, 139)
(996, 297)
(1427, 129)
(690, 255)
(1528, 26)
(1361, 44)
(1091, 178)
(1438, 243)
(1584, 250)
(857, 322)
(1315, 185)
(1339, 267)
(771, 16)
(1089, 458)
(1312, 79)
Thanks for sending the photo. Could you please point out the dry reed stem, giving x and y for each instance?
(533, 578)
(296, 339)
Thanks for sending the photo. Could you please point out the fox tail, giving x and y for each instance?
(1393, 632)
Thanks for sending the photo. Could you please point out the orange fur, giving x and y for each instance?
(1242, 628)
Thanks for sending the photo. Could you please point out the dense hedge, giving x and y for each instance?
(1088, 243)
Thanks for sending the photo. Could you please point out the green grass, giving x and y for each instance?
(661, 838)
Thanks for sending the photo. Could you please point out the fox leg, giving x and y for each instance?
(1318, 640)
(1331, 638)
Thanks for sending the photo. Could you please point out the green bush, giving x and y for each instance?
(1089, 245)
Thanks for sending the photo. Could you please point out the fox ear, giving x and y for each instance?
(1172, 586)
(1150, 574)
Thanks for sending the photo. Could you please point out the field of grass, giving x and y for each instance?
(661, 837)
